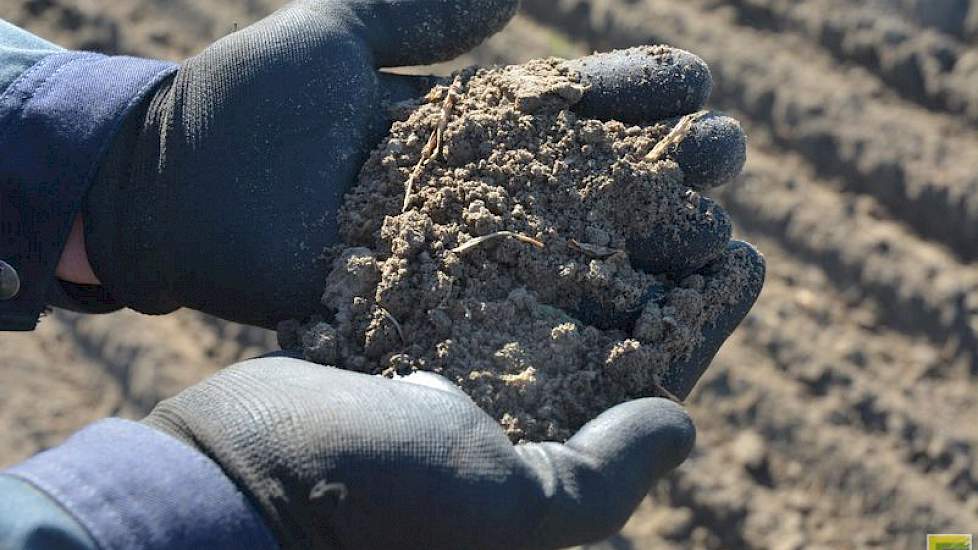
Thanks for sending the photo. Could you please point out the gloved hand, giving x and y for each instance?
(335, 459)
(220, 191)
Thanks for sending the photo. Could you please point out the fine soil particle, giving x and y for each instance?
(486, 242)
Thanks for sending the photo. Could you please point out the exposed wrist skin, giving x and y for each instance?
(73, 267)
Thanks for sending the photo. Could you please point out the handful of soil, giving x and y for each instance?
(486, 241)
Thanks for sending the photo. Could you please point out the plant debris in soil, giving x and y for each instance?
(485, 241)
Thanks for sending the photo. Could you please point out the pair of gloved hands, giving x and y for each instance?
(220, 194)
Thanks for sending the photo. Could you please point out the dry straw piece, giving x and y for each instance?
(397, 326)
(675, 137)
(593, 250)
(433, 147)
(468, 245)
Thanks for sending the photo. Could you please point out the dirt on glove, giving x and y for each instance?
(486, 241)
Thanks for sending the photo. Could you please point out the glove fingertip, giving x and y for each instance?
(642, 84)
(638, 434)
(607, 468)
(676, 434)
(713, 153)
(679, 254)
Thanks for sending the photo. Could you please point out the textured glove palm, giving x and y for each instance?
(336, 459)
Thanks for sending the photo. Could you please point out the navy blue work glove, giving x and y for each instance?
(335, 459)
(220, 193)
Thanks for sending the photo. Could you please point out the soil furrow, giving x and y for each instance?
(49, 389)
(929, 68)
(955, 17)
(152, 358)
(919, 287)
(840, 414)
(773, 407)
(847, 359)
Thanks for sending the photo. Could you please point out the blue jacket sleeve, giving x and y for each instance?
(59, 110)
(122, 485)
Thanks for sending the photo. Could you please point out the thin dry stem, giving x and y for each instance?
(479, 240)
(397, 326)
(666, 393)
(432, 147)
(675, 136)
(454, 91)
(425, 155)
(594, 250)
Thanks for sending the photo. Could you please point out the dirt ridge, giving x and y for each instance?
(928, 67)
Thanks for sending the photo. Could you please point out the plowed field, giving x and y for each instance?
(843, 413)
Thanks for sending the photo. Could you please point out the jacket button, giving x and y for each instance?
(9, 281)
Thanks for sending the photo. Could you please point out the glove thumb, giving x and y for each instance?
(596, 480)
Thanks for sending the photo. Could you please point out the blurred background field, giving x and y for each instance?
(842, 414)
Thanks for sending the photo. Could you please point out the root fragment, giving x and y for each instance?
(479, 240)
(397, 326)
(433, 146)
(663, 392)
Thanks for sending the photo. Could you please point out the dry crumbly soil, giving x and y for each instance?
(488, 222)
(841, 414)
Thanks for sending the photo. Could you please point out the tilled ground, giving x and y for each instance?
(843, 413)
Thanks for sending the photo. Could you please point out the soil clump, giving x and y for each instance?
(486, 242)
